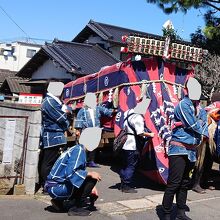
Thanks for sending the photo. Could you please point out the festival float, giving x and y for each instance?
(155, 67)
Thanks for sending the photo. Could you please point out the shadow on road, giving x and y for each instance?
(107, 157)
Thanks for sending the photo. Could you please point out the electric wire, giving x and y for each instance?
(15, 22)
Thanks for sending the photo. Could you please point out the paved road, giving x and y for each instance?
(205, 207)
(112, 203)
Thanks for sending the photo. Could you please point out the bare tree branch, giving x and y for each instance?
(211, 5)
(208, 73)
(214, 1)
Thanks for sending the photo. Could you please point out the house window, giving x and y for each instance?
(30, 53)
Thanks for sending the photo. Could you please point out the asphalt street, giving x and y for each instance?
(112, 203)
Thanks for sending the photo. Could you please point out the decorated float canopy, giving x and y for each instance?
(164, 47)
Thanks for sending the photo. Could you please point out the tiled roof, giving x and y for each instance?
(112, 33)
(107, 32)
(76, 58)
(12, 85)
(4, 74)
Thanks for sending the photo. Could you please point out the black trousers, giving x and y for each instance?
(91, 155)
(48, 157)
(80, 195)
(177, 183)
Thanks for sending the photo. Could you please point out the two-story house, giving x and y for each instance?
(15, 55)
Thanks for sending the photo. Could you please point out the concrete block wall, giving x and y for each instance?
(34, 126)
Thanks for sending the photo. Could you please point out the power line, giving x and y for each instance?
(14, 22)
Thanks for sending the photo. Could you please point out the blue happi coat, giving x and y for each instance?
(68, 172)
(54, 122)
(83, 119)
(194, 126)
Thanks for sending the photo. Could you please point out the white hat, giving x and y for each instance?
(90, 138)
(194, 89)
(55, 88)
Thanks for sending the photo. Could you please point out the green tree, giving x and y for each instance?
(170, 6)
(212, 29)
(208, 38)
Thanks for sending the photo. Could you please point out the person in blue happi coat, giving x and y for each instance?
(69, 179)
(89, 116)
(54, 124)
(182, 151)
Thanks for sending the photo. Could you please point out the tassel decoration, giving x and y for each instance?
(175, 90)
(147, 92)
(73, 106)
(143, 90)
(100, 99)
(110, 94)
(115, 97)
(179, 92)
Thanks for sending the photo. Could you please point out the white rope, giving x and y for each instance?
(132, 84)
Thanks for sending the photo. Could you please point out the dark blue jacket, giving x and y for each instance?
(83, 119)
(54, 122)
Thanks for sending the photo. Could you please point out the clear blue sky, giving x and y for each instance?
(63, 19)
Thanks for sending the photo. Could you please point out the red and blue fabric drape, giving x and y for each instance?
(164, 83)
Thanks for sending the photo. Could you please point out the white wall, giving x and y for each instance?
(15, 61)
(51, 70)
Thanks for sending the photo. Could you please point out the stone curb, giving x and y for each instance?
(123, 206)
(127, 206)
(137, 205)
